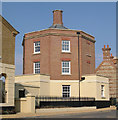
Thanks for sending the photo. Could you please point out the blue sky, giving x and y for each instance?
(95, 18)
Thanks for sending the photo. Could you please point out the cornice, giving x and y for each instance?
(8, 25)
(47, 34)
(59, 34)
(87, 38)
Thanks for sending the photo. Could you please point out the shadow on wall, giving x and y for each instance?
(20, 91)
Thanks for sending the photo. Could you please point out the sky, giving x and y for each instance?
(95, 18)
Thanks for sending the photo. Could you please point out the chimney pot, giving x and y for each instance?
(104, 46)
(107, 46)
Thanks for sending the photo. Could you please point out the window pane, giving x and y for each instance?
(37, 46)
(66, 91)
(66, 67)
(65, 45)
(102, 90)
(37, 67)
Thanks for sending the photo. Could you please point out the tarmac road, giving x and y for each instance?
(98, 114)
(52, 113)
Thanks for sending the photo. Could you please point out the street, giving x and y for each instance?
(98, 114)
(76, 113)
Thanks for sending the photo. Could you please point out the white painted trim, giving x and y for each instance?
(98, 81)
(34, 67)
(103, 95)
(76, 81)
(69, 88)
(69, 68)
(68, 81)
(65, 50)
(36, 53)
(34, 48)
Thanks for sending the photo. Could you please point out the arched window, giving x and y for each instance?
(2, 79)
(3, 76)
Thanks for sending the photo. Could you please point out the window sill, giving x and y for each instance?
(66, 52)
(36, 53)
(88, 55)
(66, 74)
(36, 73)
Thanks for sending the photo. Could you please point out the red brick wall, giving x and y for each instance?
(107, 69)
(88, 56)
(56, 57)
(50, 56)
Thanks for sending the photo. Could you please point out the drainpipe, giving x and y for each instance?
(78, 64)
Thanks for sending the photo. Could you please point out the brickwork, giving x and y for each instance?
(57, 17)
(8, 34)
(51, 54)
(108, 68)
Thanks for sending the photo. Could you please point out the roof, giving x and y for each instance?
(92, 38)
(58, 26)
(63, 30)
(109, 61)
(8, 25)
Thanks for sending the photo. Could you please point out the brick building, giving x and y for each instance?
(109, 68)
(62, 53)
(59, 63)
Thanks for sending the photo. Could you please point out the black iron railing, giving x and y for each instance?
(43, 98)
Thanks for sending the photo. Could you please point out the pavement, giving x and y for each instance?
(56, 111)
(98, 114)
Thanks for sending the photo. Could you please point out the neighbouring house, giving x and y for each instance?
(59, 67)
(109, 68)
(7, 64)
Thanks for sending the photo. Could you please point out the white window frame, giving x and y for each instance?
(36, 68)
(69, 46)
(66, 91)
(64, 73)
(35, 46)
(102, 91)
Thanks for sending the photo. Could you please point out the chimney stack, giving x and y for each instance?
(57, 17)
(106, 52)
(57, 20)
(115, 60)
(111, 56)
